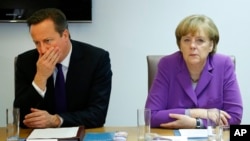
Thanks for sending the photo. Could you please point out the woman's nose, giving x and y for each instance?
(193, 44)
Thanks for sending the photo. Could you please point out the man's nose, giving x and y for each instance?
(43, 48)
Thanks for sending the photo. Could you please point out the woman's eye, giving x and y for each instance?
(200, 40)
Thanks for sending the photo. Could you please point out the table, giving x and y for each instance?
(132, 132)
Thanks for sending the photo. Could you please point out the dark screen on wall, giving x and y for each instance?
(20, 10)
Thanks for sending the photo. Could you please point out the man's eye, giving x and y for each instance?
(37, 43)
(48, 40)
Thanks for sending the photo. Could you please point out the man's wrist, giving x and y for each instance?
(56, 121)
(40, 91)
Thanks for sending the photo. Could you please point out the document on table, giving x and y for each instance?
(170, 138)
(42, 139)
(193, 133)
(52, 134)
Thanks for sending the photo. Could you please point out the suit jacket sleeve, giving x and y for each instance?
(25, 94)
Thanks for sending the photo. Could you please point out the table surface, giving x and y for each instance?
(132, 132)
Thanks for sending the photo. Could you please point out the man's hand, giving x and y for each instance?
(182, 121)
(41, 119)
(45, 66)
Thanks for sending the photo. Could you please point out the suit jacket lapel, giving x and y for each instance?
(183, 77)
(205, 78)
(184, 80)
(73, 64)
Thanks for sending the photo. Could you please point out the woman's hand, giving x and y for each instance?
(202, 113)
(182, 121)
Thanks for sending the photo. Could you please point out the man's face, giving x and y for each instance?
(45, 36)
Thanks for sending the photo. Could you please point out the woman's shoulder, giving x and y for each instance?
(175, 60)
(222, 59)
(217, 57)
(172, 56)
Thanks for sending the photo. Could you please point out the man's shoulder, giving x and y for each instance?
(86, 46)
(33, 53)
(27, 59)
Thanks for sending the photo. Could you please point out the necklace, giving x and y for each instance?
(194, 81)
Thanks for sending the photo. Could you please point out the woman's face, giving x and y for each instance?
(195, 48)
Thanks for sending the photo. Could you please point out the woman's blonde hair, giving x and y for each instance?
(193, 24)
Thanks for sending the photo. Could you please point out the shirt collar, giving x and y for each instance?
(65, 61)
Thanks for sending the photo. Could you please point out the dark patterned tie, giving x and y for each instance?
(60, 91)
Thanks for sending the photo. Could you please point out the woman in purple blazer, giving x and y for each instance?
(194, 79)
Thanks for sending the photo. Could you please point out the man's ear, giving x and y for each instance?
(66, 33)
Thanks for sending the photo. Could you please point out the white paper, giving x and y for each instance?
(53, 133)
(42, 139)
(172, 138)
(193, 133)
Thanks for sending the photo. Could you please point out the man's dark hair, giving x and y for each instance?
(56, 15)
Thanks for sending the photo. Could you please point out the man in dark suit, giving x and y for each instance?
(86, 68)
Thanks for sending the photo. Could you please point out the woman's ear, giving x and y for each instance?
(211, 46)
